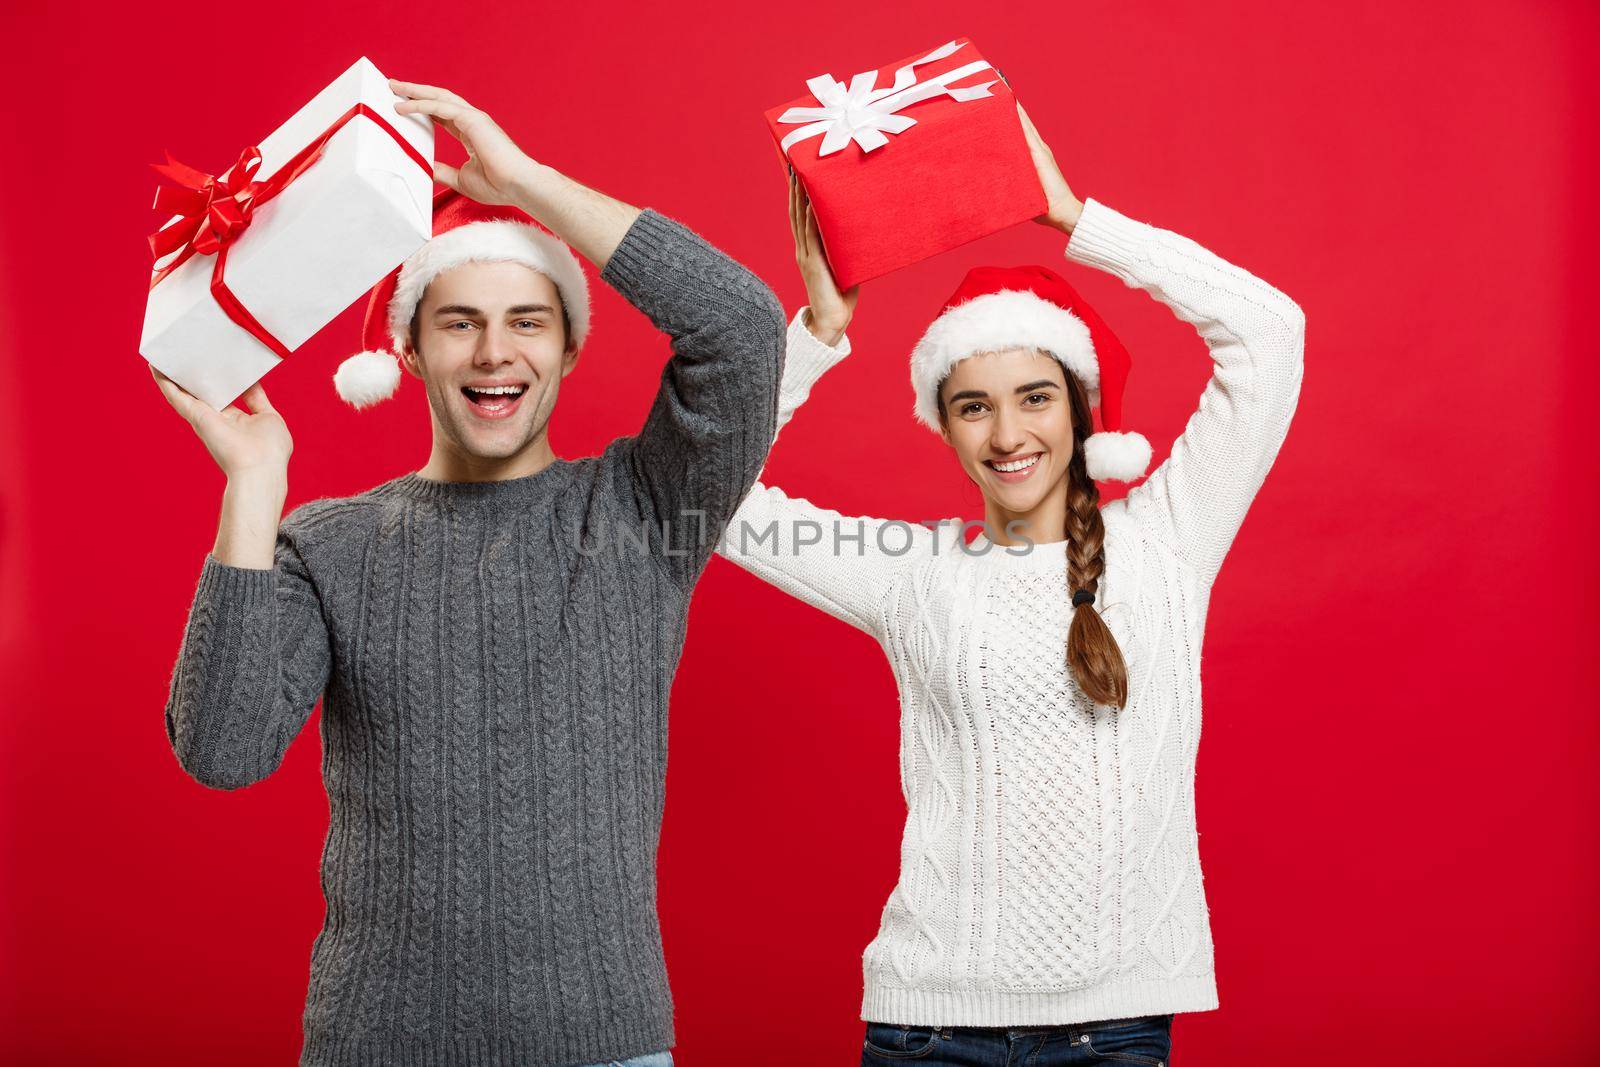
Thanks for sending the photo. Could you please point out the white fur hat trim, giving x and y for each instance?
(491, 241)
(1011, 318)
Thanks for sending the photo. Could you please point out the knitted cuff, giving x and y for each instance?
(806, 359)
(247, 587)
(1106, 238)
(647, 248)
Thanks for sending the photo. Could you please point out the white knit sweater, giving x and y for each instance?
(1050, 867)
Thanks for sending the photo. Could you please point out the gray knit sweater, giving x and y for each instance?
(495, 660)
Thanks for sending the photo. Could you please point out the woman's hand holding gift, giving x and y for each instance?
(1063, 208)
(830, 309)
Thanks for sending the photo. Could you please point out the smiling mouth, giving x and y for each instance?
(1014, 470)
(493, 401)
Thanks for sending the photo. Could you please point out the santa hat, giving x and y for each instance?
(996, 308)
(464, 231)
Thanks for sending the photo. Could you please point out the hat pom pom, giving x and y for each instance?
(367, 378)
(1116, 457)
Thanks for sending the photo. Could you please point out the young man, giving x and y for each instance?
(494, 636)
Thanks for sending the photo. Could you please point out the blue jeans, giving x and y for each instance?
(1145, 1040)
(653, 1059)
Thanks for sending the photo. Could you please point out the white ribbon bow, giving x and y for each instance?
(864, 115)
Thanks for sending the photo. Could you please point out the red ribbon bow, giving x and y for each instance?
(214, 212)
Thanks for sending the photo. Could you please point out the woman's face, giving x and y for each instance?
(1008, 416)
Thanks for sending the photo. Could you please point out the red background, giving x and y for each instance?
(1396, 781)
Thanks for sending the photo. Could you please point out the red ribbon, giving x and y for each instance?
(215, 211)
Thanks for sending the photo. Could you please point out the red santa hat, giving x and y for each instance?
(996, 308)
(464, 231)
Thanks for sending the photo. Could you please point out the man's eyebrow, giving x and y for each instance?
(968, 394)
(469, 310)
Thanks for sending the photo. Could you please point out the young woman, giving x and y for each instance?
(1050, 907)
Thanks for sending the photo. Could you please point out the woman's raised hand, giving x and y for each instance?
(1062, 208)
(494, 162)
(243, 442)
(830, 308)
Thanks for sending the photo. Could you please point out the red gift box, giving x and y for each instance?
(910, 160)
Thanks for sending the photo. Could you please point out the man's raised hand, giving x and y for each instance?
(253, 441)
(494, 162)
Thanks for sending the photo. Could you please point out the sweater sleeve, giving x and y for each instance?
(840, 564)
(711, 423)
(255, 657)
(1196, 500)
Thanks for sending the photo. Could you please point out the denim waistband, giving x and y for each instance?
(1089, 1026)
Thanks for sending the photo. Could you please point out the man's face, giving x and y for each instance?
(491, 351)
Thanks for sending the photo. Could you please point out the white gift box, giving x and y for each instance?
(308, 253)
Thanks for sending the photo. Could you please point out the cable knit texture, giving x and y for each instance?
(1050, 868)
(495, 660)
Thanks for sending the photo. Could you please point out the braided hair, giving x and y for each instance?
(1092, 653)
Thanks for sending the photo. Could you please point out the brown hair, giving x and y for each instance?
(1092, 652)
(1093, 655)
